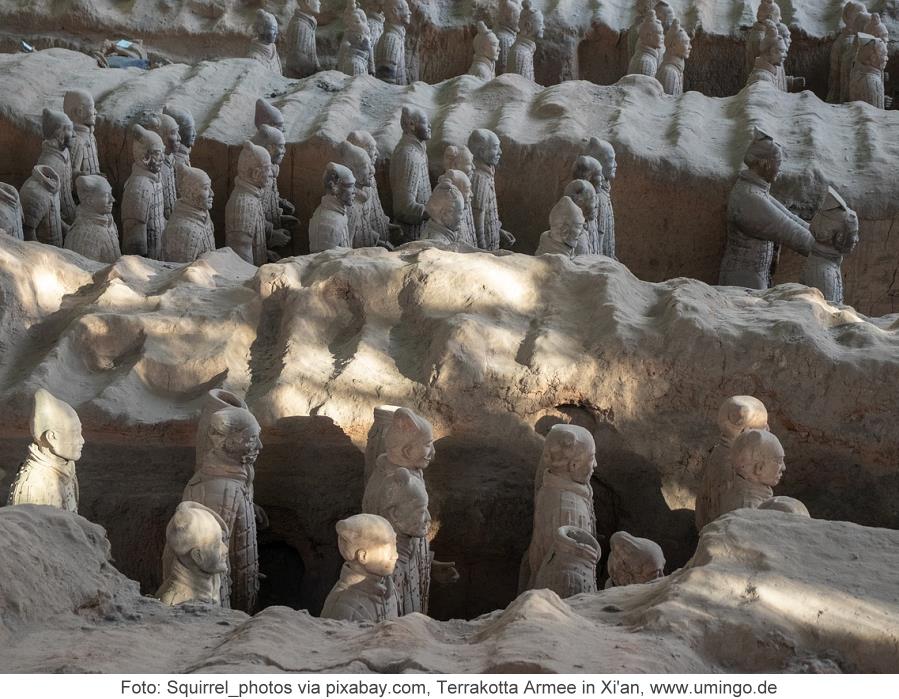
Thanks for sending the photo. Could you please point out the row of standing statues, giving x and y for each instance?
(210, 554)
(374, 42)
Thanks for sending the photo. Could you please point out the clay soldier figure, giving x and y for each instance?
(143, 222)
(406, 508)
(268, 114)
(361, 232)
(671, 70)
(460, 159)
(222, 481)
(390, 52)
(246, 231)
(605, 154)
(83, 154)
(665, 14)
(378, 225)
(364, 591)
(486, 51)
(835, 227)
(645, 60)
(847, 33)
(736, 415)
(409, 179)
(590, 169)
(459, 180)
(278, 211)
(507, 18)
(263, 48)
(787, 83)
(583, 194)
(644, 9)
(47, 476)
(187, 131)
(189, 232)
(521, 53)
(757, 458)
(328, 227)
(866, 77)
(195, 556)
(445, 209)
(633, 561)
(564, 497)
(485, 147)
(354, 54)
(39, 197)
(566, 229)
(768, 11)
(10, 212)
(94, 233)
(570, 566)
(784, 503)
(850, 52)
(170, 133)
(756, 220)
(59, 135)
(302, 55)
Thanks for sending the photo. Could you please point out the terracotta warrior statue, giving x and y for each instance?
(94, 234)
(302, 56)
(756, 220)
(736, 415)
(263, 48)
(329, 227)
(268, 114)
(355, 54)
(390, 52)
(768, 10)
(357, 161)
(835, 228)
(189, 232)
(757, 459)
(566, 229)
(39, 198)
(246, 230)
(187, 130)
(375, 444)
(445, 209)
(665, 14)
(564, 495)
(850, 52)
(460, 159)
(47, 476)
(374, 10)
(59, 135)
(784, 503)
(410, 182)
(589, 169)
(461, 182)
(406, 508)
(521, 53)
(605, 154)
(170, 133)
(570, 566)
(633, 561)
(486, 51)
(364, 591)
(278, 211)
(223, 482)
(583, 194)
(143, 221)
(643, 9)
(645, 60)
(10, 212)
(379, 226)
(195, 557)
(847, 34)
(787, 83)
(485, 147)
(866, 76)
(507, 18)
(79, 107)
(671, 70)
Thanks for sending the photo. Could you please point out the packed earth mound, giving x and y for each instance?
(494, 348)
(765, 591)
(678, 158)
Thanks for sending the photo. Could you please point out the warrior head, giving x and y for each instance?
(55, 426)
(758, 456)
(633, 560)
(79, 107)
(147, 148)
(485, 147)
(569, 450)
(95, 194)
(409, 441)
(195, 188)
(368, 542)
(57, 128)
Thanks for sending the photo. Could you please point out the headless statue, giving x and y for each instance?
(633, 561)
(566, 229)
(835, 227)
(569, 567)
(143, 221)
(39, 197)
(10, 212)
(189, 232)
(94, 234)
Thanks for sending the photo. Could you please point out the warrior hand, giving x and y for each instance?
(286, 206)
(279, 237)
(261, 517)
(507, 240)
(444, 573)
(289, 221)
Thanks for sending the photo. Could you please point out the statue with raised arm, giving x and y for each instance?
(329, 227)
(378, 225)
(507, 18)
(189, 232)
(94, 234)
(84, 156)
(143, 221)
(633, 561)
(354, 54)
(390, 52)
(39, 198)
(170, 133)
(569, 567)
(645, 60)
(47, 476)
(263, 47)
(521, 53)
(187, 131)
(671, 70)
(756, 220)
(485, 147)
(835, 228)
(866, 76)
(757, 459)
(246, 230)
(460, 159)
(410, 182)
(302, 54)
(195, 556)
(278, 211)
(59, 136)
(566, 228)
(445, 209)
(486, 51)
